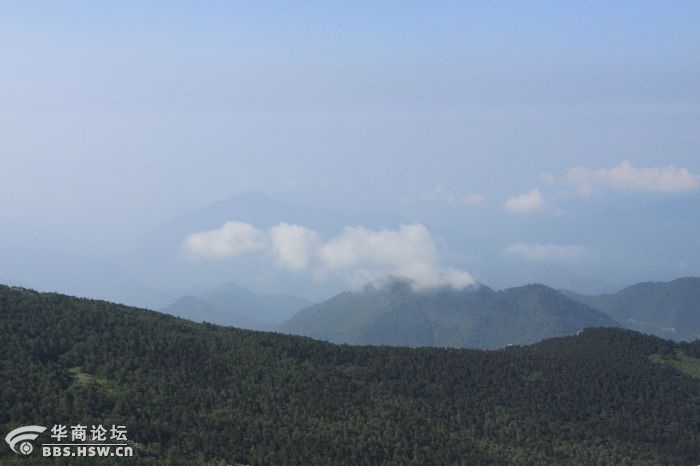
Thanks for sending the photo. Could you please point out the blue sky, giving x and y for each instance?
(117, 115)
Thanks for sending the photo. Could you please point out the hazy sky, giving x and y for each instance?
(117, 115)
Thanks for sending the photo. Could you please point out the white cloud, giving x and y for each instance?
(232, 239)
(361, 245)
(359, 255)
(536, 252)
(626, 177)
(292, 245)
(525, 203)
(409, 253)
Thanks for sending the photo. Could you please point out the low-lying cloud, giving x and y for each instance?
(526, 203)
(549, 252)
(626, 177)
(231, 240)
(358, 254)
(292, 246)
(409, 252)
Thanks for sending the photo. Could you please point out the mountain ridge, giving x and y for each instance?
(476, 316)
(667, 309)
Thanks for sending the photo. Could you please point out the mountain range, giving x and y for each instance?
(392, 313)
(474, 317)
(152, 269)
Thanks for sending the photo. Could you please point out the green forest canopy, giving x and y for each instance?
(198, 393)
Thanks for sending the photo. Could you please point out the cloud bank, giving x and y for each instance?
(626, 177)
(292, 245)
(231, 240)
(409, 253)
(358, 254)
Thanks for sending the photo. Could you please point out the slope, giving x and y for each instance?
(666, 309)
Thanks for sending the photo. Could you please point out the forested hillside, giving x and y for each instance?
(201, 394)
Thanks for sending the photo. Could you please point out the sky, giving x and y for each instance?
(553, 134)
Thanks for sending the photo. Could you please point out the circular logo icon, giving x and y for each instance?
(26, 448)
